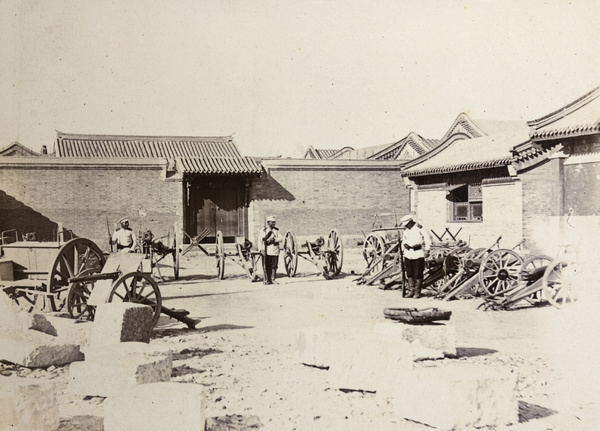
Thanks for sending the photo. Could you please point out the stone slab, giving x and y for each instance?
(28, 405)
(115, 368)
(34, 349)
(438, 340)
(14, 318)
(118, 322)
(156, 407)
(370, 365)
(458, 395)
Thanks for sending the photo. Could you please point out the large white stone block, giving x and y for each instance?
(112, 369)
(318, 346)
(14, 318)
(370, 365)
(117, 322)
(458, 395)
(439, 338)
(156, 407)
(28, 404)
(35, 349)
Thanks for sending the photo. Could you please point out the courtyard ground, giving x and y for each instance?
(243, 352)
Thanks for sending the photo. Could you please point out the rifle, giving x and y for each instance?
(402, 263)
(109, 235)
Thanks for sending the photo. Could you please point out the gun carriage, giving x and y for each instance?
(326, 254)
(125, 277)
(156, 251)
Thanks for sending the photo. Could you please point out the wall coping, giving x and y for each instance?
(328, 165)
(79, 163)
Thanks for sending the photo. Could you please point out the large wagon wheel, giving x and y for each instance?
(139, 288)
(74, 258)
(335, 257)
(290, 253)
(499, 271)
(558, 284)
(220, 255)
(373, 251)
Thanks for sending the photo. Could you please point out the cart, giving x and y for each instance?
(38, 273)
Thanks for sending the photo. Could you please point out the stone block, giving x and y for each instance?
(14, 318)
(112, 369)
(458, 395)
(70, 330)
(34, 349)
(28, 404)
(369, 365)
(117, 322)
(317, 346)
(437, 340)
(156, 407)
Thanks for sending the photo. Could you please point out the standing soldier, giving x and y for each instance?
(269, 240)
(124, 237)
(416, 245)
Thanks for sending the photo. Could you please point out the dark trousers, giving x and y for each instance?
(271, 268)
(414, 268)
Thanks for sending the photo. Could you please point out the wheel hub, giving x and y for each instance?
(503, 274)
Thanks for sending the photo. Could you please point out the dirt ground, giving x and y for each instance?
(243, 351)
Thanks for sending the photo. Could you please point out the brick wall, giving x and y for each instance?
(37, 196)
(542, 203)
(312, 197)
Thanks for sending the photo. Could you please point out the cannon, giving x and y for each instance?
(156, 251)
(37, 273)
(326, 254)
(244, 256)
(541, 279)
(125, 277)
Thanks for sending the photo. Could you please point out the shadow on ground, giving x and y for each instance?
(529, 411)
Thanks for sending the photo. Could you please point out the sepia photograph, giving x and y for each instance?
(327, 215)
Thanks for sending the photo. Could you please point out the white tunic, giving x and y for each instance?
(272, 249)
(124, 238)
(416, 235)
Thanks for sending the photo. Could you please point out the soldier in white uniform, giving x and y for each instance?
(124, 237)
(269, 240)
(415, 248)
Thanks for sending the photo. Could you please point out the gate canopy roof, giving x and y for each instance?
(189, 155)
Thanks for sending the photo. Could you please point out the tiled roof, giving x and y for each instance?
(17, 149)
(217, 166)
(199, 155)
(469, 154)
(582, 117)
(358, 154)
(413, 140)
(315, 153)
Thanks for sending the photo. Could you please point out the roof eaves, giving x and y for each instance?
(458, 168)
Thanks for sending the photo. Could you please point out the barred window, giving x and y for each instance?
(465, 202)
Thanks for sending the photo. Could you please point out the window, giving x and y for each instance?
(465, 202)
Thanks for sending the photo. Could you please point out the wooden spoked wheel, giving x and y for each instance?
(139, 288)
(78, 296)
(531, 265)
(290, 253)
(76, 257)
(373, 251)
(499, 271)
(220, 255)
(335, 257)
(454, 260)
(558, 283)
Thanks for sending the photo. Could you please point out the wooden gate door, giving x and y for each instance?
(219, 209)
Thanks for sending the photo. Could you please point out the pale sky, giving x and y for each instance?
(283, 75)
